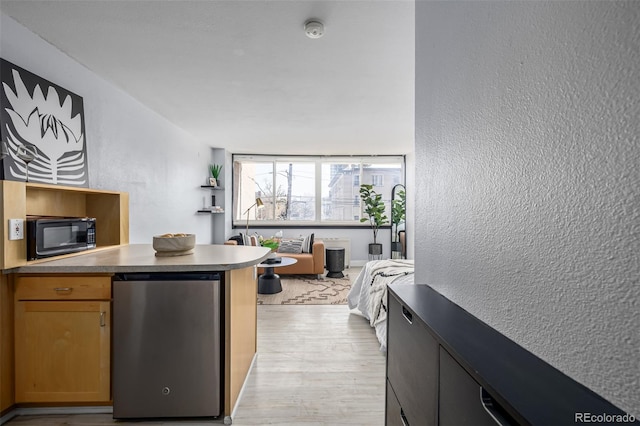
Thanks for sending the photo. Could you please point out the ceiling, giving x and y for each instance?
(242, 75)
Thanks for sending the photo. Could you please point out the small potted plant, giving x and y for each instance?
(374, 209)
(272, 243)
(214, 170)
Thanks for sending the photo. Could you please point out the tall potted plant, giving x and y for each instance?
(398, 215)
(374, 209)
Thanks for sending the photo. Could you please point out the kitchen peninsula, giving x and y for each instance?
(236, 265)
(61, 307)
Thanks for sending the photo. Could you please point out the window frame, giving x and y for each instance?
(363, 161)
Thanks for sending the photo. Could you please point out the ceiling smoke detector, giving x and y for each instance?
(313, 29)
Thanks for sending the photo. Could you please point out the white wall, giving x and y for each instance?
(527, 147)
(129, 147)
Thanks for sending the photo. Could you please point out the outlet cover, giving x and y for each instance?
(16, 229)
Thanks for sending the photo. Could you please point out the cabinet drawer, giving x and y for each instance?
(462, 401)
(63, 287)
(393, 411)
(412, 364)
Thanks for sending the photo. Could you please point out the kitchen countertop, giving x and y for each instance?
(141, 258)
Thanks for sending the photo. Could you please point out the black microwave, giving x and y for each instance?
(53, 236)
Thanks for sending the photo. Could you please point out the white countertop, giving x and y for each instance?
(141, 258)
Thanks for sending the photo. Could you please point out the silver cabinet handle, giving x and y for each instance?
(405, 422)
(407, 315)
(63, 289)
(490, 405)
(102, 322)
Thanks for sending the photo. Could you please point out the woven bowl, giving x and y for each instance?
(174, 242)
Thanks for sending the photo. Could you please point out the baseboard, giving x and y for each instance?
(33, 411)
(8, 416)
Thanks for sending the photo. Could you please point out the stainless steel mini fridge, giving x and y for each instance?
(166, 345)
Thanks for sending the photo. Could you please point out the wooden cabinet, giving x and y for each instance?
(6, 343)
(240, 334)
(20, 199)
(62, 338)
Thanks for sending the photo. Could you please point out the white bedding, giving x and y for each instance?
(368, 292)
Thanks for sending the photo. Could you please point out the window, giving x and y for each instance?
(308, 190)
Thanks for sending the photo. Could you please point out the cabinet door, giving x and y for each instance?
(412, 364)
(63, 287)
(62, 351)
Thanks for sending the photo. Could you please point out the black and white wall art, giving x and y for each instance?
(41, 130)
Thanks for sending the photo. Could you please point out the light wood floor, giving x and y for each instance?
(316, 365)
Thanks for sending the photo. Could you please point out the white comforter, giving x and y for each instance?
(368, 292)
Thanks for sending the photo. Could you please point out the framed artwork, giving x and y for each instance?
(41, 130)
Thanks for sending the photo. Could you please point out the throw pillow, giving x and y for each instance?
(307, 244)
(238, 239)
(290, 245)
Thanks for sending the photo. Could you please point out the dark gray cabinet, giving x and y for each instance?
(410, 345)
(446, 367)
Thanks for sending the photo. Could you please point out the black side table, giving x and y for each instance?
(335, 261)
(269, 282)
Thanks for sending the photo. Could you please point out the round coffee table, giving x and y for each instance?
(269, 282)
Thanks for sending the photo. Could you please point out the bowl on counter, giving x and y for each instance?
(174, 244)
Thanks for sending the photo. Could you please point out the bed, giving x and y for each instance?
(368, 292)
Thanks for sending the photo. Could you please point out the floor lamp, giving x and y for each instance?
(258, 205)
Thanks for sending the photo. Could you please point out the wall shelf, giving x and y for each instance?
(213, 201)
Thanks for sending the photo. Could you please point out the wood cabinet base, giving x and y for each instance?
(62, 351)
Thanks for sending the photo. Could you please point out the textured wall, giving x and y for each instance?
(527, 147)
(129, 147)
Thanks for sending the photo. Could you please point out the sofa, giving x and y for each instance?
(307, 263)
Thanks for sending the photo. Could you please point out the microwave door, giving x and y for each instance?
(61, 236)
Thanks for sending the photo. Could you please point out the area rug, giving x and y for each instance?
(307, 290)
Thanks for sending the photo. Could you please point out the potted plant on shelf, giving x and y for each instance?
(215, 170)
(374, 209)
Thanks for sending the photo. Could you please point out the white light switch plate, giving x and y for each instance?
(16, 229)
